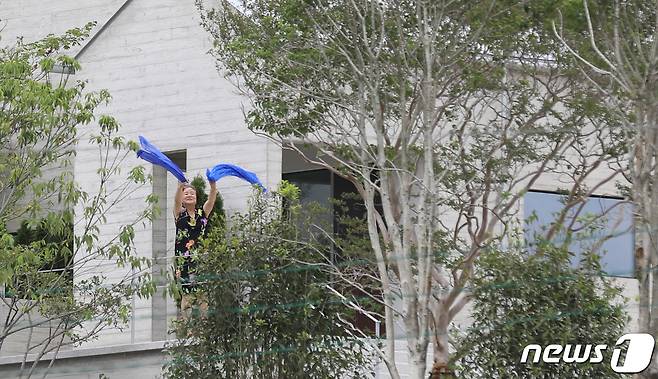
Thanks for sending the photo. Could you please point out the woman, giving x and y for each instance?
(191, 225)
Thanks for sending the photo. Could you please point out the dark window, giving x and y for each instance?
(344, 217)
(315, 189)
(614, 219)
(349, 204)
(315, 186)
(336, 195)
(179, 157)
(55, 273)
(338, 201)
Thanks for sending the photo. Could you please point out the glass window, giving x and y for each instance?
(336, 196)
(55, 273)
(179, 157)
(615, 220)
(315, 186)
(343, 206)
(315, 194)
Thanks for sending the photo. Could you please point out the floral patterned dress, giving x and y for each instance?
(188, 231)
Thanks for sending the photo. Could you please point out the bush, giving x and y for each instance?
(269, 314)
(521, 299)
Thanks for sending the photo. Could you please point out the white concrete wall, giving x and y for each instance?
(39, 336)
(142, 361)
(34, 19)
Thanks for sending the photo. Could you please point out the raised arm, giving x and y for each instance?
(178, 199)
(210, 203)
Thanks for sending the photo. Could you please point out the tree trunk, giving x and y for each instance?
(418, 361)
(642, 257)
(646, 196)
(441, 347)
(652, 370)
(442, 372)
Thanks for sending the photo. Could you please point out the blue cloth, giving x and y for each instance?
(225, 169)
(151, 154)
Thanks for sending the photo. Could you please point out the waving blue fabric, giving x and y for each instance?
(151, 154)
(225, 169)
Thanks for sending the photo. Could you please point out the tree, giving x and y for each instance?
(430, 107)
(521, 299)
(267, 316)
(43, 113)
(620, 62)
(217, 216)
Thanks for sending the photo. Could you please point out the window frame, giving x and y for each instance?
(361, 320)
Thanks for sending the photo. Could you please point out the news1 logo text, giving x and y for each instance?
(637, 357)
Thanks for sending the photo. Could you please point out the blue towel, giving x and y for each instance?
(151, 154)
(225, 169)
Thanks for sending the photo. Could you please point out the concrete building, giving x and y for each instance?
(152, 57)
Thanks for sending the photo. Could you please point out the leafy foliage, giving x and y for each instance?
(51, 243)
(43, 112)
(218, 216)
(522, 299)
(40, 112)
(447, 111)
(269, 314)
